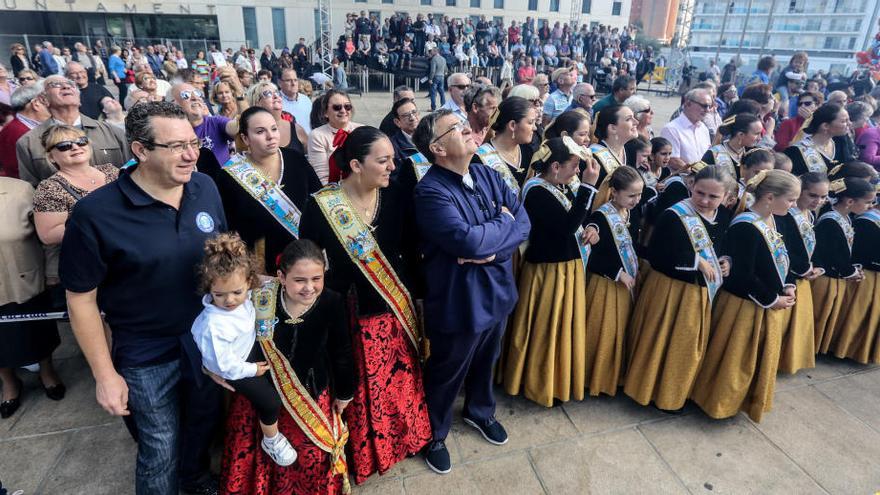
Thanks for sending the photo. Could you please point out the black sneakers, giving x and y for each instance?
(437, 457)
(491, 430)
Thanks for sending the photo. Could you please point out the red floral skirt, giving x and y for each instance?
(387, 419)
(247, 470)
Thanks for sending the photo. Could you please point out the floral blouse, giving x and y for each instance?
(51, 195)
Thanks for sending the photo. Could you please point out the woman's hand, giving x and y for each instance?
(789, 290)
(707, 270)
(219, 380)
(262, 368)
(814, 273)
(627, 281)
(340, 405)
(590, 235)
(591, 172)
(783, 302)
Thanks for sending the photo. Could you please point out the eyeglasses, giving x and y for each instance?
(806, 103)
(460, 126)
(60, 85)
(462, 87)
(270, 93)
(68, 145)
(591, 97)
(338, 108)
(177, 148)
(188, 95)
(145, 79)
(704, 106)
(27, 78)
(647, 110)
(409, 115)
(536, 102)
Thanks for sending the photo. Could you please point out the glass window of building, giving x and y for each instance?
(475, 4)
(279, 28)
(425, 2)
(249, 15)
(616, 8)
(450, 3)
(554, 5)
(586, 7)
(533, 4)
(499, 4)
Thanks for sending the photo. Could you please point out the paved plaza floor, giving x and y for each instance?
(822, 436)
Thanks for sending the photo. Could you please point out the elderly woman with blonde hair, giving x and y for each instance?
(266, 95)
(643, 113)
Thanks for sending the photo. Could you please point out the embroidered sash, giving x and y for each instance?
(812, 158)
(872, 215)
(583, 247)
(363, 250)
(622, 240)
(492, 159)
(805, 226)
(700, 241)
(773, 239)
(723, 158)
(328, 434)
(606, 158)
(266, 192)
(420, 164)
(843, 222)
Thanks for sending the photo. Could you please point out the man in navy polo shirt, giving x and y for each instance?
(130, 250)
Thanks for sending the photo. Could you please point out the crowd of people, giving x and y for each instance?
(229, 229)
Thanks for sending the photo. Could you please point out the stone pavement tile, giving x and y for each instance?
(827, 368)
(25, 462)
(456, 482)
(617, 462)
(859, 394)
(727, 456)
(97, 461)
(79, 407)
(527, 425)
(379, 486)
(508, 474)
(603, 413)
(839, 451)
(68, 348)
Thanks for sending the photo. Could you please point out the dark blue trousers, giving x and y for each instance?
(461, 359)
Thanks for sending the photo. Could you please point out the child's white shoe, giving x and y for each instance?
(279, 449)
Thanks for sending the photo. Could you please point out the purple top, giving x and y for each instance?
(212, 133)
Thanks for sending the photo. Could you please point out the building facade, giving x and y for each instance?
(831, 31)
(657, 18)
(258, 22)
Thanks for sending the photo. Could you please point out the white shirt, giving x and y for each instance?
(300, 108)
(225, 338)
(689, 141)
(219, 59)
(451, 105)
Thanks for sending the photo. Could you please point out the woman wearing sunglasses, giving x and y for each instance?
(337, 109)
(68, 149)
(266, 95)
(807, 102)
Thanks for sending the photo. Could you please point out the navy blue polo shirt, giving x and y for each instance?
(141, 256)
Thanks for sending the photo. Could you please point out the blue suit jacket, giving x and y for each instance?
(457, 222)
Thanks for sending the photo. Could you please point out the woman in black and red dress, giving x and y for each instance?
(312, 342)
(388, 418)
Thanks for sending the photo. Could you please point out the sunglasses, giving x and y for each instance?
(338, 108)
(647, 110)
(806, 103)
(462, 87)
(68, 145)
(26, 79)
(704, 106)
(270, 93)
(188, 95)
(591, 97)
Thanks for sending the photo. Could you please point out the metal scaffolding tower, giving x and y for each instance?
(575, 18)
(325, 42)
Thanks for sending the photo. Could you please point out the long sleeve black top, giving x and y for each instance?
(604, 258)
(794, 244)
(671, 252)
(832, 250)
(752, 271)
(551, 239)
(319, 346)
(866, 245)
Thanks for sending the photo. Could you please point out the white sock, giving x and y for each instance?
(271, 440)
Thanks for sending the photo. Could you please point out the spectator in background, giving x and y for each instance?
(526, 72)
(622, 88)
(7, 85)
(154, 60)
(31, 111)
(436, 74)
(406, 119)
(117, 71)
(214, 132)
(583, 96)
(18, 61)
(481, 102)
(112, 112)
(388, 125)
(202, 67)
(294, 102)
(687, 133)
(90, 94)
(48, 66)
(807, 103)
(762, 74)
(28, 77)
(559, 100)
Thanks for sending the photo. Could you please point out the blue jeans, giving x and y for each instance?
(437, 87)
(155, 408)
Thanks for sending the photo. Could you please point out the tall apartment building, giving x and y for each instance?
(657, 18)
(831, 31)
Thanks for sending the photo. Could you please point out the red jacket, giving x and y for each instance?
(786, 132)
(8, 137)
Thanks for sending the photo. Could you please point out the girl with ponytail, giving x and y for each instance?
(670, 326)
(752, 309)
(834, 245)
(754, 161)
(542, 359)
(613, 270)
(813, 149)
(740, 132)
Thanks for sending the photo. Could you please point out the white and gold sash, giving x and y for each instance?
(490, 158)
(773, 239)
(266, 192)
(700, 241)
(420, 164)
(622, 239)
(583, 247)
(843, 222)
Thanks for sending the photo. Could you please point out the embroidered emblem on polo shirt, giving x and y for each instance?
(204, 222)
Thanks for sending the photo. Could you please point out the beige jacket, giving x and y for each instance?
(107, 141)
(22, 274)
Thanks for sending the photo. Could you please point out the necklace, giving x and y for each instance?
(295, 320)
(514, 160)
(84, 177)
(365, 212)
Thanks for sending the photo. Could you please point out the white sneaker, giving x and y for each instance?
(279, 450)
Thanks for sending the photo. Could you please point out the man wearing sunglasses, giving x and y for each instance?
(215, 131)
(583, 96)
(129, 250)
(687, 133)
(30, 111)
(470, 223)
(63, 100)
(458, 83)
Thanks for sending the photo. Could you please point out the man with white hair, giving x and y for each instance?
(560, 99)
(62, 97)
(458, 83)
(582, 98)
(687, 133)
(30, 111)
(214, 131)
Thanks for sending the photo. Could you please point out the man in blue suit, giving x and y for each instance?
(470, 223)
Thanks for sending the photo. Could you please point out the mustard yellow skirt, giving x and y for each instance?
(798, 345)
(739, 369)
(669, 331)
(858, 335)
(608, 308)
(644, 270)
(546, 345)
(828, 294)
